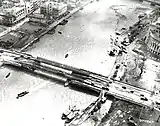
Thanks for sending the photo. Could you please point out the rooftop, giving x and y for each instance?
(56, 5)
(12, 10)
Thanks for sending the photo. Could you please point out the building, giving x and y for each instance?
(13, 15)
(13, 12)
(36, 4)
(29, 7)
(7, 4)
(32, 5)
(72, 3)
(153, 40)
(39, 18)
(54, 9)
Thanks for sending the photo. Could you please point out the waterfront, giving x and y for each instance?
(86, 49)
(86, 37)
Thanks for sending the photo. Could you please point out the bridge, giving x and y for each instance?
(153, 2)
(74, 77)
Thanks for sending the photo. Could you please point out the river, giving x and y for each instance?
(86, 40)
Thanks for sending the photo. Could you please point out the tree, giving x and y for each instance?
(10, 18)
(155, 14)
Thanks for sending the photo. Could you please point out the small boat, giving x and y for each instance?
(66, 55)
(52, 31)
(64, 22)
(8, 75)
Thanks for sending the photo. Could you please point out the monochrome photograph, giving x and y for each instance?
(79, 62)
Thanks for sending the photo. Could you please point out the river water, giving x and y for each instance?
(86, 40)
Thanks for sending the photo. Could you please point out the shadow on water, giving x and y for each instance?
(30, 72)
(54, 80)
(84, 90)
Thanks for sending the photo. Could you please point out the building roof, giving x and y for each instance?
(55, 5)
(28, 4)
(12, 10)
(7, 4)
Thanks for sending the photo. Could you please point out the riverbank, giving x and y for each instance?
(86, 40)
(33, 31)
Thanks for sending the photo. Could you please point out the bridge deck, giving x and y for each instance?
(79, 77)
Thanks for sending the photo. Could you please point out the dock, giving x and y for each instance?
(55, 23)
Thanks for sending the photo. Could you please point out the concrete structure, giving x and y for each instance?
(62, 72)
(13, 12)
(53, 9)
(32, 5)
(153, 41)
(36, 17)
(73, 3)
(36, 4)
(29, 7)
(152, 2)
(10, 16)
(7, 4)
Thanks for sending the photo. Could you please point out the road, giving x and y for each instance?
(9, 29)
(79, 77)
(153, 2)
(54, 24)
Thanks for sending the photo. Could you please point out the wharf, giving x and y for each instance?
(54, 24)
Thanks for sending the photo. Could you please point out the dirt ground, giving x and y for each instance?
(13, 37)
(20, 37)
(32, 27)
